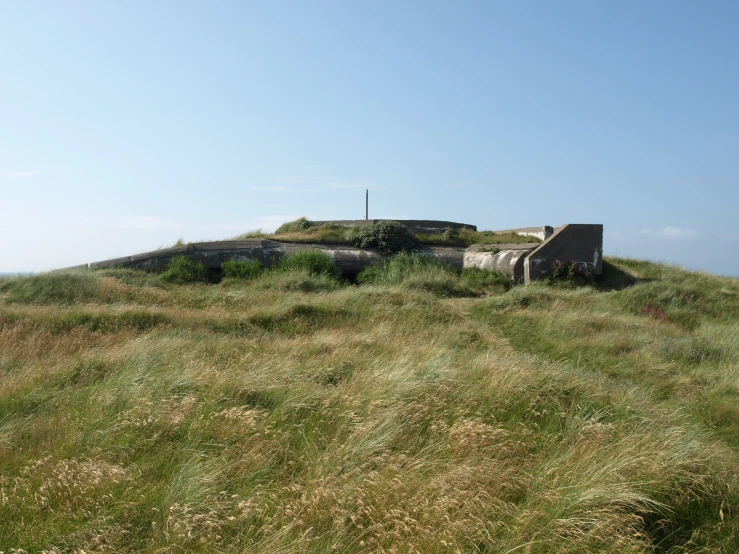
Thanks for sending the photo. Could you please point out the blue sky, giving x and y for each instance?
(127, 125)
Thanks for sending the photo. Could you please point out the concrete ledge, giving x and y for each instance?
(541, 233)
(574, 242)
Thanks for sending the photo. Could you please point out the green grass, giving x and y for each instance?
(313, 262)
(182, 270)
(294, 412)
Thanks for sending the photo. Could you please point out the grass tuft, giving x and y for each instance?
(313, 262)
(183, 270)
(245, 270)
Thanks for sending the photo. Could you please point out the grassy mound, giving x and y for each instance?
(389, 237)
(136, 416)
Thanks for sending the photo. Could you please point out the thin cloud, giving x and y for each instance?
(676, 233)
(271, 188)
(22, 174)
(146, 222)
(671, 233)
(347, 185)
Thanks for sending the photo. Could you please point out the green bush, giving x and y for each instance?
(237, 269)
(388, 237)
(183, 270)
(301, 224)
(314, 262)
(64, 287)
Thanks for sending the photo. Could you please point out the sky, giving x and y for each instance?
(125, 126)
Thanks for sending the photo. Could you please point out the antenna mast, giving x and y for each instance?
(366, 205)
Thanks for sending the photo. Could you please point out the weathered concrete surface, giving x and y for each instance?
(212, 254)
(415, 225)
(541, 233)
(574, 242)
(506, 258)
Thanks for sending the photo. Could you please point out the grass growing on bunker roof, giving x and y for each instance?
(141, 416)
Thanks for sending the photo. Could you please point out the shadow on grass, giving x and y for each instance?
(615, 278)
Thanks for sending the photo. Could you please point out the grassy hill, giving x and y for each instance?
(422, 410)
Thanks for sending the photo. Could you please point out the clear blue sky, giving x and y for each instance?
(126, 125)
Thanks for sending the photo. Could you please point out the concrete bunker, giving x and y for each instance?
(523, 262)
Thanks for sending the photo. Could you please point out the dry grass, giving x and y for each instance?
(250, 418)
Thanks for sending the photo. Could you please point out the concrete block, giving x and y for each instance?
(574, 242)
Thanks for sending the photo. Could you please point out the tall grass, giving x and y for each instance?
(257, 418)
(314, 262)
(57, 287)
(431, 274)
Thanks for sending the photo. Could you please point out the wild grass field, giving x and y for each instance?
(416, 410)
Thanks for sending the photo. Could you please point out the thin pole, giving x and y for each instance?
(366, 205)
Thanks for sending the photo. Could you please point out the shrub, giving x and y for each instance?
(297, 226)
(450, 234)
(314, 262)
(237, 269)
(63, 287)
(183, 270)
(388, 237)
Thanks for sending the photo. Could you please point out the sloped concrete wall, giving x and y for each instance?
(212, 254)
(574, 242)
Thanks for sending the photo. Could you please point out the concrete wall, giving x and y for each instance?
(415, 225)
(212, 254)
(574, 242)
(541, 233)
(506, 258)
